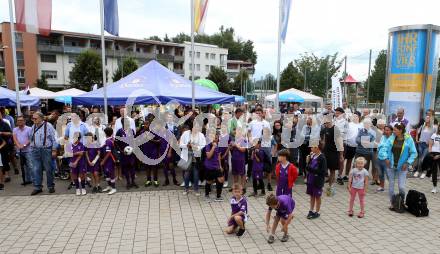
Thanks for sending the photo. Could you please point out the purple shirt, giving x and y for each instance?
(108, 147)
(223, 144)
(23, 135)
(212, 163)
(78, 147)
(283, 183)
(286, 205)
(257, 166)
(236, 154)
(92, 151)
(240, 205)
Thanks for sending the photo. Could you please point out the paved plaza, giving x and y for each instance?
(165, 221)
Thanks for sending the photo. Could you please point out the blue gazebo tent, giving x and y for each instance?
(8, 99)
(152, 84)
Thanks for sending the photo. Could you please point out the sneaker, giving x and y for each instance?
(182, 184)
(134, 185)
(285, 238)
(83, 192)
(416, 174)
(98, 189)
(219, 199)
(434, 190)
(51, 190)
(263, 193)
(148, 183)
(197, 194)
(345, 179)
(350, 213)
(315, 216)
(202, 183)
(185, 192)
(271, 239)
(423, 176)
(373, 183)
(340, 181)
(94, 190)
(310, 215)
(225, 184)
(207, 198)
(166, 183)
(78, 192)
(240, 232)
(107, 189)
(254, 194)
(269, 187)
(361, 215)
(380, 189)
(128, 186)
(175, 182)
(113, 191)
(156, 184)
(36, 192)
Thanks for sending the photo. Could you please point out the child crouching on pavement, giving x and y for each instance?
(239, 211)
(284, 205)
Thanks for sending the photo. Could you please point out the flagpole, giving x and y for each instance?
(277, 109)
(104, 85)
(14, 57)
(193, 88)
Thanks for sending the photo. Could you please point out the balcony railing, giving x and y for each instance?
(179, 71)
(165, 57)
(50, 48)
(179, 59)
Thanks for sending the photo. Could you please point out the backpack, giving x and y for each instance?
(416, 203)
(398, 203)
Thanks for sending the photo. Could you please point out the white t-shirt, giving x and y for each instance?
(358, 178)
(436, 143)
(256, 128)
(352, 132)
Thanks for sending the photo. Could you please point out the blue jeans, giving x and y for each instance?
(382, 167)
(401, 181)
(194, 171)
(422, 150)
(26, 166)
(42, 160)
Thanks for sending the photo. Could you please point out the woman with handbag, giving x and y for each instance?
(191, 143)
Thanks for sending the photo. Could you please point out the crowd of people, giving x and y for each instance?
(225, 148)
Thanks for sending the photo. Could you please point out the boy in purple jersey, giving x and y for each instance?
(239, 211)
(238, 158)
(108, 162)
(224, 142)
(77, 164)
(127, 160)
(214, 172)
(165, 150)
(284, 205)
(257, 169)
(92, 160)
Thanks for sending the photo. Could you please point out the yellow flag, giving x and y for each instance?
(200, 11)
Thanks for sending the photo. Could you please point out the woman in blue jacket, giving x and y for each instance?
(401, 153)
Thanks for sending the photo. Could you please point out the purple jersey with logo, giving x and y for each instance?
(149, 148)
(238, 158)
(286, 206)
(257, 166)
(237, 206)
(212, 163)
(283, 185)
(80, 166)
(92, 152)
(109, 145)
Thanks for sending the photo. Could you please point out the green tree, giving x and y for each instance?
(240, 81)
(87, 71)
(180, 38)
(377, 78)
(166, 39)
(154, 38)
(2, 78)
(129, 65)
(42, 82)
(220, 77)
(291, 77)
(248, 53)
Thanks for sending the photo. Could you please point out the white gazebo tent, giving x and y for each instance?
(40, 93)
(65, 96)
(309, 98)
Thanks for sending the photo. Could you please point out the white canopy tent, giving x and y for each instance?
(308, 97)
(40, 93)
(70, 92)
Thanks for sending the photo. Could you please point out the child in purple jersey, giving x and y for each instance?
(77, 164)
(257, 169)
(165, 139)
(316, 169)
(238, 158)
(224, 142)
(239, 211)
(92, 160)
(150, 150)
(108, 162)
(127, 160)
(214, 171)
(284, 205)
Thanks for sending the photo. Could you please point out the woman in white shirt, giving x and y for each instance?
(434, 157)
(423, 137)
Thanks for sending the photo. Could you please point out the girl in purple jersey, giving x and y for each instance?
(257, 169)
(239, 211)
(92, 160)
(150, 150)
(77, 164)
(238, 158)
(224, 142)
(284, 205)
(165, 139)
(108, 162)
(214, 171)
(127, 160)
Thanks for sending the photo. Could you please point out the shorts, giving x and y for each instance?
(232, 222)
(313, 191)
(78, 170)
(332, 160)
(211, 175)
(349, 152)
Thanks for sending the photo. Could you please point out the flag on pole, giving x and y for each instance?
(336, 93)
(111, 17)
(200, 11)
(33, 16)
(285, 12)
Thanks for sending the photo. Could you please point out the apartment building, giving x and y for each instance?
(206, 56)
(234, 67)
(54, 56)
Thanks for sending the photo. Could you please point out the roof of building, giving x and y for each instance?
(201, 44)
(349, 80)
(239, 62)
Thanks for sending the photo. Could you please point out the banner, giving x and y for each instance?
(200, 11)
(285, 13)
(33, 16)
(336, 93)
(111, 17)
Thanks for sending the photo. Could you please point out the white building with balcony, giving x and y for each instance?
(206, 56)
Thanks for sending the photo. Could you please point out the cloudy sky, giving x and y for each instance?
(350, 27)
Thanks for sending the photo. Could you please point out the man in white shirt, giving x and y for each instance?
(118, 123)
(257, 125)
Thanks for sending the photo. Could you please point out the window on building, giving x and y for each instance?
(72, 59)
(198, 54)
(207, 56)
(20, 74)
(19, 40)
(50, 74)
(48, 58)
(190, 67)
(207, 68)
(20, 58)
(190, 53)
(198, 67)
(213, 56)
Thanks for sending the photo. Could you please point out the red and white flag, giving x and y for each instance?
(33, 16)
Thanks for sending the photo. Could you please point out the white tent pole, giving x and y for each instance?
(104, 85)
(277, 106)
(14, 57)
(193, 88)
